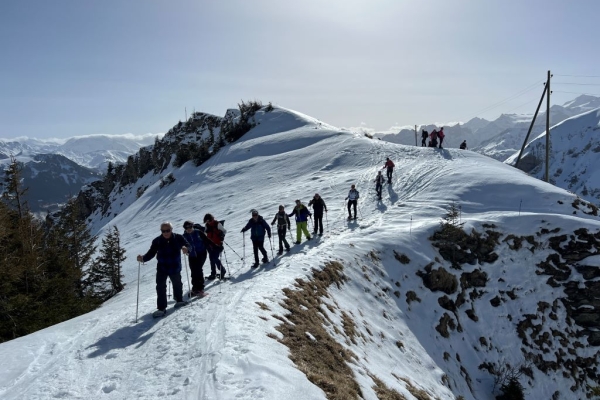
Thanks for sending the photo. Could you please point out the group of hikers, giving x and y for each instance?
(433, 139)
(199, 241)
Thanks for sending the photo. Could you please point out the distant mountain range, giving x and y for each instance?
(501, 138)
(94, 151)
(55, 170)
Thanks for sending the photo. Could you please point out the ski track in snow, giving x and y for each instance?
(216, 347)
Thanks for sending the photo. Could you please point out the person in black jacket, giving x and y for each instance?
(318, 206)
(166, 248)
(283, 221)
(258, 227)
(424, 136)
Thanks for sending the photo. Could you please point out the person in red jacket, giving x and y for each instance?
(215, 232)
(441, 135)
(433, 139)
(390, 169)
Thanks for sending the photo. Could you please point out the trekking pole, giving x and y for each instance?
(226, 262)
(137, 302)
(410, 230)
(359, 210)
(272, 254)
(169, 288)
(244, 248)
(188, 275)
(326, 220)
(241, 258)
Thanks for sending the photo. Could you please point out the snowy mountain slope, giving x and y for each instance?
(505, 139)
(574, 161)
(225, 347)
(51, 179)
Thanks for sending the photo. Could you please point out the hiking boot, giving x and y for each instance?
(280, 251)
(296, 242)
(321, 234)
(211, 277)
(255, 265)
(159, 313)
(197, 293)
(308, 238)
(287, 249)
(265, 260)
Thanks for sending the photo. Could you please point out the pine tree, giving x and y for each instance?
(106, 274)
(76, 239)
(14, 193)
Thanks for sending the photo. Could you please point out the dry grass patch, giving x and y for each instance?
(349, 327)
(263, 306)
(323, 360)
(384, 392)
(419, 394)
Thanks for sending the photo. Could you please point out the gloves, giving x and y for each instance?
(346, 198)
(242, 231)
(140, 258)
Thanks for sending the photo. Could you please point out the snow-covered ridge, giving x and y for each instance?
(224, 347)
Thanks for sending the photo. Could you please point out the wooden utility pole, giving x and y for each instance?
(185, 113)
(415, 135)
(548, 91)
(537, 110)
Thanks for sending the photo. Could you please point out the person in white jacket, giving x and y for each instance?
(352, 201)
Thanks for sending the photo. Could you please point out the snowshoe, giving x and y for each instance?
(280, 252)
(321, 234)
(181, 304)
(287, 249)
(265, 260)
(296, 242)
(198, 293)
(210, 277)
(159, 313)
(349, 217)
(255, 265)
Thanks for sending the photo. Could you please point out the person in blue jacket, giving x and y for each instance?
(167, 248)
(199, 243)
(302, 214)
(258, 227)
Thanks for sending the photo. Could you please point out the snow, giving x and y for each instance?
(218, 348)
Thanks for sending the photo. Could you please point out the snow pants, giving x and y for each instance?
(424, 142)
(350, 203)
(441, 141)
(389, 174)
(318, 223)
(281, 231)
(257, 245)
(196, 264)
(301, 227)
(161, 287)
(378, 189)
(213, 255)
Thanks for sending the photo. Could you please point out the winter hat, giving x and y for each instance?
(188, 224)
(208, 218)
(281, 207)
(254, 212)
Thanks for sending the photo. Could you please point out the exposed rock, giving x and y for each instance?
(477, 278)
(438, 279)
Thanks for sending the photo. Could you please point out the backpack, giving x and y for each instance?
(281, 219)
(221, 233)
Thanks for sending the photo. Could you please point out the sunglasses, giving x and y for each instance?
(188, 227)
(165, 230)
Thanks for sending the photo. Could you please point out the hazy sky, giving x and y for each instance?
(84, 67)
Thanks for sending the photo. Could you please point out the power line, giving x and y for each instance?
(574, 83)
(589, 94)
(522, 105)
(516, 95)
(580, 76)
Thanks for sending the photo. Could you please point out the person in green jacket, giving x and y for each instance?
(302, 214)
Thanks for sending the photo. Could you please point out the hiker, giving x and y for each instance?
(302, 214)
(352, 200)
(378, 184)
(433, 137)
(199, 242)
(424, 136)
(283, 221)
(258, 227)
(166, 248)
(318, 205)
(216, 234)
(389, 164)
(463, 145)
(441, 135)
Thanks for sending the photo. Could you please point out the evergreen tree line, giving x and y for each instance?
(48, 272)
